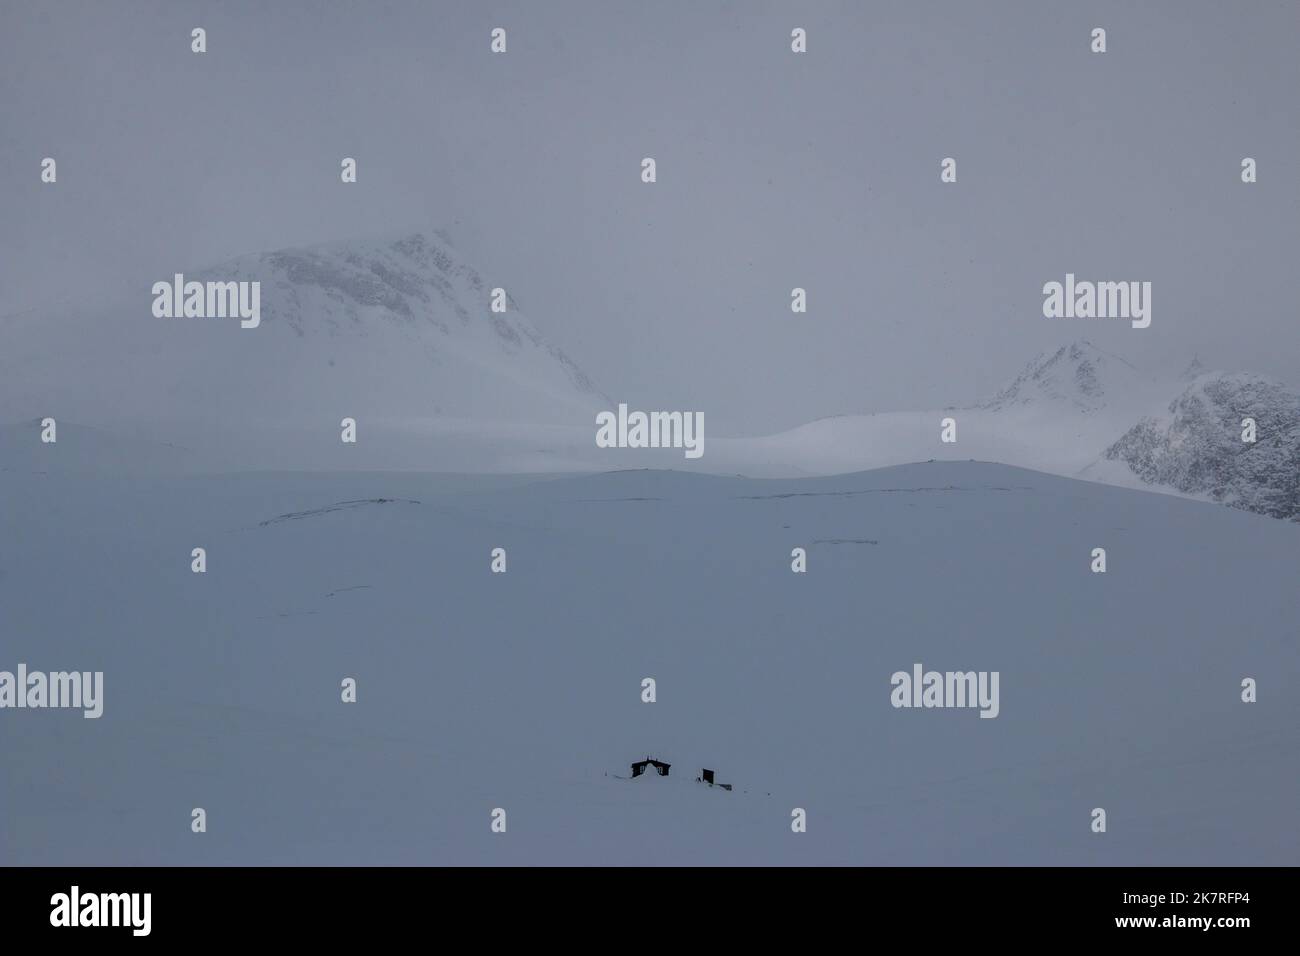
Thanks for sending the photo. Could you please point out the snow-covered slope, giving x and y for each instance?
(523, 690)
(80, 450)
(1197, 447)
(397, 331)
(1080, 412)
(1058, 415)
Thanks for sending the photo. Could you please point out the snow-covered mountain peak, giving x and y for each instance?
(1078, 376)
(401, 328)
(337, 287)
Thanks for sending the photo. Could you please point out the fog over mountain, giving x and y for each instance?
(1077, 377)
(404, 336)
(776, 171)
(394, 329)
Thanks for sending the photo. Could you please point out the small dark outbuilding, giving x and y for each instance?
(638, 768)
(708, 776)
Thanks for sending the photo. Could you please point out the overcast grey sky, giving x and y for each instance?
(775, 170)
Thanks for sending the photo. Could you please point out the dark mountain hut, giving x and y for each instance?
(638, 768)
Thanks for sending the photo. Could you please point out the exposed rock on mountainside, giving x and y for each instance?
(1198, 447)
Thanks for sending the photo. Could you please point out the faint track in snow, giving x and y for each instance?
(871, 491)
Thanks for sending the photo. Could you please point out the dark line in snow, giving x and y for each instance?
(576, 500)
(339, 506)
(355, 587)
